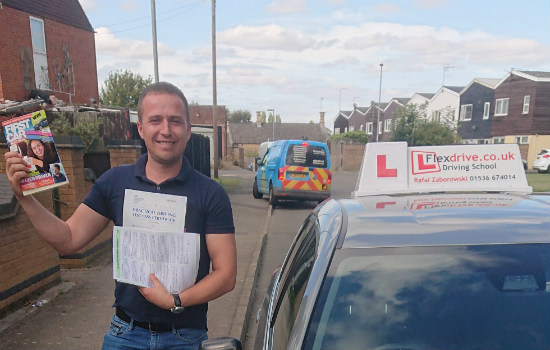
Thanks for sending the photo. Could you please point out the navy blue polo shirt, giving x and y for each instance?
(208, 211)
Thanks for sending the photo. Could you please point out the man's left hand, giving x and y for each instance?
(157, 294)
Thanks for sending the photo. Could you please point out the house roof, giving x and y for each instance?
(487, 82)
(454, 88)
(427, 95)
(344, 114)
(68, 12)
(536, 76)
(250, 133)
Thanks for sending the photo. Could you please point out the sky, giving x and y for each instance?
(301, 57)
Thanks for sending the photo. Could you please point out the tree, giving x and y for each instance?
(357, 136)
(86, 128)
(240, 116)
(277, 118)
(412, 126)
(122, 88)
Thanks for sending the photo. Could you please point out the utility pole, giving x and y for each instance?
(379, 103)
(272, 122)
(155, 54)
(214, 91)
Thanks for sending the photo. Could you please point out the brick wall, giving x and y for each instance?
(28, 265)
(346, 155)
(17, 70)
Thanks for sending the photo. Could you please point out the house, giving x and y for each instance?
(444, 105)
(246, 138)
(47, 47)
(521, 112)
(341, 122)
(202, 123)
(476, 99)
(357, 118)
(374, 121)
(420, 98)
(389, 116)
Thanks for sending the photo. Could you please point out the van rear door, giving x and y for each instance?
(306, 167)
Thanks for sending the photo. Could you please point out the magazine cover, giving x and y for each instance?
(30, 135)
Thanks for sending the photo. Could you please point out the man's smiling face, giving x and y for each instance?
(164, 128)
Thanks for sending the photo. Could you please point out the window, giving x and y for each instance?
(522, 140)
(526, 100)
(486, 109)
(466, 112)
(293, 282)
(498, 140)
(387, 125)
(369, 128)
(501, 106)
(39, 54)
(436, 116)
(362, 127)
(352, 128)
(483, 141)
(345, 130)
(337, 131)
(379, 128)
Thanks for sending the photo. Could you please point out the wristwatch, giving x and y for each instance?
(177, 305)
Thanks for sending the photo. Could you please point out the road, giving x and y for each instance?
(284, 223)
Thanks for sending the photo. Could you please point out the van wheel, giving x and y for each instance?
(272, 198)
(257, 194)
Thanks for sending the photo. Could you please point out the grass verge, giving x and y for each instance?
(539, 182)
(228, 183)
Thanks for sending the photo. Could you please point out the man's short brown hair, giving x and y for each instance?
(163, 88)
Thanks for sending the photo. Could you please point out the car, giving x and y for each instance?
(542, 161)
(438, 248)
(294, 169)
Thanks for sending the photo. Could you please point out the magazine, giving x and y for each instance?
(30, 135)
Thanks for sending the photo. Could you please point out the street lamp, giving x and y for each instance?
(379, 98)
(340, 100)
(272, 122)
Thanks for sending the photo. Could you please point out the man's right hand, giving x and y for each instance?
(16, 169)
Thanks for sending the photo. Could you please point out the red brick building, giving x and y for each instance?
(49, 46)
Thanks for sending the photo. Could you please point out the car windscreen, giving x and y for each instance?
(306, 155)
(457, 297)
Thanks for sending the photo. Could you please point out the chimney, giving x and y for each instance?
(322, 119)
(258, 119)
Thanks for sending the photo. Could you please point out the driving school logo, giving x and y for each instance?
(424, 162)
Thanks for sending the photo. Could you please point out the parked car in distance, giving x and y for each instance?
(542, 161)
(294, 169)
(418, 269)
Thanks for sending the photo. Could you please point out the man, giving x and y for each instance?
(58, 176)
(146, 316)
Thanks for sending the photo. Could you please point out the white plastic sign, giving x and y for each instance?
(392, 167)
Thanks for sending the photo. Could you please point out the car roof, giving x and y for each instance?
(444, 219)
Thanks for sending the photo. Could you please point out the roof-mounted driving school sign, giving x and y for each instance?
(392, 167)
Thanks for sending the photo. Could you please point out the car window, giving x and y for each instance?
(306, 155)
(460, 297)
(293, 287)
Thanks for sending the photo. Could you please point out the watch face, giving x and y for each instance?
(177, 309)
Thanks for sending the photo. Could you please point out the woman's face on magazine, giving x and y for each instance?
(37, 148)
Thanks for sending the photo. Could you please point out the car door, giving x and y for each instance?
(291, 285)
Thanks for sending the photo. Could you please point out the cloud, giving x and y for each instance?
(108, 44)
(129, 6)
(271, 37)
(88, 5)
(430, 4)
(287, 6)
(386, 8)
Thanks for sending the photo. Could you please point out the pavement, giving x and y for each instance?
(76, 313)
